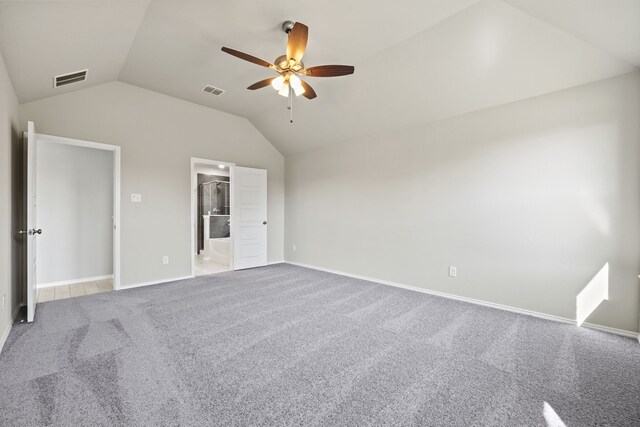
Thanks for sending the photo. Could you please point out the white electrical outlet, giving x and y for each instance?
(165, 260)
(136, 197)
(294, 247)
(453, 271)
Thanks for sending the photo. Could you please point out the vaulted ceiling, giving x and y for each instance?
(416, 60)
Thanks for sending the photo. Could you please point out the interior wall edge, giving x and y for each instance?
(11, 244)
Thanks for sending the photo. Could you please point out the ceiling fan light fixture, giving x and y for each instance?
(296, 84)
(298, 90)
(277, 82)
(284, 89)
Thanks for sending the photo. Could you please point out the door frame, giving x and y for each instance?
(196, 161)
(116, 191)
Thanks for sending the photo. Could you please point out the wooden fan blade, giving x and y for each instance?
(261, 84)
(329, 70)
(309, 93)
(247, 57)
(297, 42)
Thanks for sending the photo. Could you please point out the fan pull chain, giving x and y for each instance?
(290, 105)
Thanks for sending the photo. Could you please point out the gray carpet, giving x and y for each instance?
(284, 345)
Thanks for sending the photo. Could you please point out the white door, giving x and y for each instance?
(32, 226)
(249, 231)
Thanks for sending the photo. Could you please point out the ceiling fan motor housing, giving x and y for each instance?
(283, 64)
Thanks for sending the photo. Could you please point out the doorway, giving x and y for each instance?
(211, 216)
(75, 183)
(73, 212)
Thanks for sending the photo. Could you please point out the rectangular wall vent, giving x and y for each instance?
(66, 79)
(212, 90)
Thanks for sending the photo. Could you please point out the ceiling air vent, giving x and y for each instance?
(66, 79)
(212, 90)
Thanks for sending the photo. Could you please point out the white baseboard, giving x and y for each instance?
(276, 262)
(4, 337)
(70, 282)
(6, 333)
(155, 282)
(616, 331)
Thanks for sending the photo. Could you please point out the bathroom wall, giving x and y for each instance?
(218, 226)
(212, 199)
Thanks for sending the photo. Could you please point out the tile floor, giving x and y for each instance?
(203, 267)
(210, 268)
(74, 290)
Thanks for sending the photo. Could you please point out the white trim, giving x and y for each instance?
(192, 191)
(4, 337)
(116, 217)
(116, 191)
(71, 282)
(616, 331)
(155, 282)
(77, 142)
(280, 262)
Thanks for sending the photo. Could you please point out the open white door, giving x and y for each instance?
(249, 230)
(32, 226)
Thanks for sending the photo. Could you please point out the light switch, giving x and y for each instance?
(453, 271)
(136, 197)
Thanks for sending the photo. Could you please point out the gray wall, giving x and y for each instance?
(10, 204)
(158, 135)
(529, 200)
(74, 210)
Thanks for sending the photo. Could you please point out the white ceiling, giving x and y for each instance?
(416, 60)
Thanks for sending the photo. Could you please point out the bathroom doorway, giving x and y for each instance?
(211, 192)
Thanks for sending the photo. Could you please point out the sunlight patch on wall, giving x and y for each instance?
(596, 291)
(551, 418)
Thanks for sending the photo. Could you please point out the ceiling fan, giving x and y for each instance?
(290, 66)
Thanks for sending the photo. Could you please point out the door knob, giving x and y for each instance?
(31, 232)
(264, 222)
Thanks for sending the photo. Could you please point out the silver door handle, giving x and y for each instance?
(37, 231)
